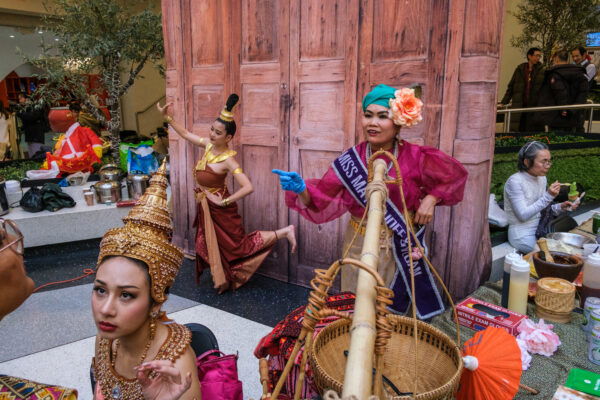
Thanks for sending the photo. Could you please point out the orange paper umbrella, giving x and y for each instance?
(492, 366)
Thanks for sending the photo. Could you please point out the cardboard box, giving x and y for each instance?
(478, 314)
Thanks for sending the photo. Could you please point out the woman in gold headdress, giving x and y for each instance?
(221, 242)
(139, 353)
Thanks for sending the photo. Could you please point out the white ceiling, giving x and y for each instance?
(28, 41)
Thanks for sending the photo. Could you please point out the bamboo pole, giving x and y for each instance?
(359, 366)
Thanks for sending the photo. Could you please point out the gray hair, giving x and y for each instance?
(529, 152)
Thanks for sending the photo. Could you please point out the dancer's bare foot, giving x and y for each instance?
(222, 288)
(290, 234)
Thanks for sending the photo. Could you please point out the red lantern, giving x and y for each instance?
(61, 119)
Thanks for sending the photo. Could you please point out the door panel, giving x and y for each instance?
(403, 44)
(323, 65)
(260, 74)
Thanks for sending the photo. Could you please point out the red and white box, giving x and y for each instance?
(478, 314)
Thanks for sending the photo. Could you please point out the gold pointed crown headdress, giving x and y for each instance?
(146, 236)
(227, 111)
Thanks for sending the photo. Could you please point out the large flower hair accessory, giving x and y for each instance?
(405, 108)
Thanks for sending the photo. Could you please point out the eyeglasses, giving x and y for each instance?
(11, 236)
(546, 163)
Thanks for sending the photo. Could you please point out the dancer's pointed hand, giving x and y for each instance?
(165, 109)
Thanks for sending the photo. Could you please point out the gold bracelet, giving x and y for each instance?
(168, 119)
(225, 202)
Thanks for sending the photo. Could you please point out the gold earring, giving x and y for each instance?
(153, 316)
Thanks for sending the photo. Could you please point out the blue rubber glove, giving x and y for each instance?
(290, 181)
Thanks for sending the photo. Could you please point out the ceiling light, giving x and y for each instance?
(56, 39)
(40, 32)
(12, 36)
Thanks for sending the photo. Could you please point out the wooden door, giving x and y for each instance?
(323, 65)
(260, 74)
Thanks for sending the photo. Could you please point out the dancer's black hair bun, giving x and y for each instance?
(231, 101)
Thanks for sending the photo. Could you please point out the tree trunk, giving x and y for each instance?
(112, 82)
(114, 126)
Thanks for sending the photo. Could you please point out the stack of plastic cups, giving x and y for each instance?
(13, 193)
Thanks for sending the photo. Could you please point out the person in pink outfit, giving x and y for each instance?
(430, 178)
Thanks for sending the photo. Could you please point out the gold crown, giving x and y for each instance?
(146, 236)
(226, 115)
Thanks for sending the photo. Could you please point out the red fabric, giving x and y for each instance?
(279, 343)
(241, 253)
(83, 163)
(80, 154)
(81, 138)
(425, 170)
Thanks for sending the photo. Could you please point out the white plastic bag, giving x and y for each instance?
(496, 215)
(44, 173)
(78, 178)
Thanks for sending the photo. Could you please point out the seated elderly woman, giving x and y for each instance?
(140, 354)
(525, 195)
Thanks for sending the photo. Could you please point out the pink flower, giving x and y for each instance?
(525, 357)
(406, 108)
(539, 338)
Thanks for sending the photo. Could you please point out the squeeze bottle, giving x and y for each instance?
(508, 261)
(519, 286)
(591, 277)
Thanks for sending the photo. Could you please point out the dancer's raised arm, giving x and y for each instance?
(180, 129)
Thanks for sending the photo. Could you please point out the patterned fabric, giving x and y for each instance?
(12, 388)
(278, 345)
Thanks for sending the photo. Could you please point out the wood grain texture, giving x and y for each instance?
(259, 76)
(207, 43)
(302, 68)
(260, 39)
(323, 66)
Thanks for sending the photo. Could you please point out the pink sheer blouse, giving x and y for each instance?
(425, 170)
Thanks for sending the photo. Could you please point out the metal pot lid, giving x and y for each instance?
(106, 184)
(139, 177)
(110, 166)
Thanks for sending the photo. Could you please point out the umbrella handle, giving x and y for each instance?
(528, 389)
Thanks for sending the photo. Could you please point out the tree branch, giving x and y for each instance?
(133, 74)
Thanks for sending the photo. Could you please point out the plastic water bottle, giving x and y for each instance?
(508, 261)
(519, 286)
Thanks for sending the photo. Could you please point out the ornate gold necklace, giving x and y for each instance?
(210, 158)
(116, 387)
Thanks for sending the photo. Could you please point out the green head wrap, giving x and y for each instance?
(381, 95)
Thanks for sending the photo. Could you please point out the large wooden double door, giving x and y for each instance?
(301, 68)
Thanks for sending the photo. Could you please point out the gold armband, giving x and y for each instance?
(168, 119)
(238, 170)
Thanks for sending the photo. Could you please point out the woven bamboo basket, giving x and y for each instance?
(555, 294)
(554, 299)
(439, 359)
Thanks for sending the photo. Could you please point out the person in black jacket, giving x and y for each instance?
(34, 125)
(564, 84)
(522, 91)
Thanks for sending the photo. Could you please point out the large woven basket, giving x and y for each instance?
(439, 359)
